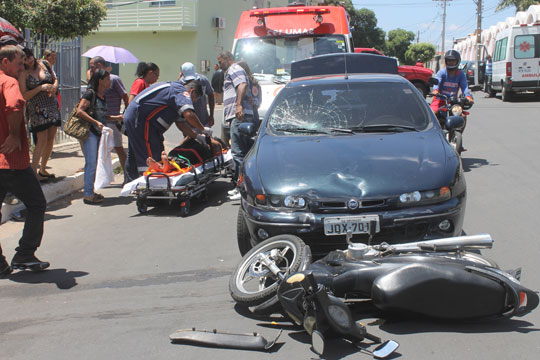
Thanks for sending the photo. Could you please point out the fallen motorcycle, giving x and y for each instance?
(442, 278)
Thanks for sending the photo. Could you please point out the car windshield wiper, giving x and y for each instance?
(299, 130)
(383, 128)
(341, 130)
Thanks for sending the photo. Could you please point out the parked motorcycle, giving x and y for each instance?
(442, 278)
(453, 119)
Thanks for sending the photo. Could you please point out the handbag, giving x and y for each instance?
(76, 127)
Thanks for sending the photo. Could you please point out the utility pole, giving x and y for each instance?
(478, 40)
(443, 25)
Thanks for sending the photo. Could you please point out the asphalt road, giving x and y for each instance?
(120, 283)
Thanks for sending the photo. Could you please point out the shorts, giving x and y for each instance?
(117, 135)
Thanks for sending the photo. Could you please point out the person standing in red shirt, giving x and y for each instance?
(16, 175)
(147, 74)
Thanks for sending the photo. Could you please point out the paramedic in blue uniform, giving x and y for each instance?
(151, 113)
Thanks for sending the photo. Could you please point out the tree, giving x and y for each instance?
(520, 5)
(363, 24)
(54, 18)
(421, 51)
(398, 43)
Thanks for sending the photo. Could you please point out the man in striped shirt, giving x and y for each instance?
(16, 175)
(236, 109)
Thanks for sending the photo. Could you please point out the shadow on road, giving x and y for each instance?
(479, 327)
(217, 196)
(473, 163)
(63, 279)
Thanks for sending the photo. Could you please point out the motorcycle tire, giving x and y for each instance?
(457, 141)
(264, 283)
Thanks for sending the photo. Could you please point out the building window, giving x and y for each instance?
(163, 3)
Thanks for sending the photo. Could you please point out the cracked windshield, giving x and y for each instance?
(273, 56)
(348, 108)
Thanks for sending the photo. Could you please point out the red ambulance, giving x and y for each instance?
(270, 39)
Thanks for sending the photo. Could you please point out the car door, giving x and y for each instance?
(525, 67)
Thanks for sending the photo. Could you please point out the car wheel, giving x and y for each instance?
(253, 283)
(245, 242)
(422, 88)
(506, 95)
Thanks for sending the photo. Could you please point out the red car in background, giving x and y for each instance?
(419, 76)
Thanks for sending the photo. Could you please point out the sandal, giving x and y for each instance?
(93, 200)
(52, 176)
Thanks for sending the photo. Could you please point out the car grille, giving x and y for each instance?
(364, 205)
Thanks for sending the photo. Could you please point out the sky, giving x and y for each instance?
(425, 17)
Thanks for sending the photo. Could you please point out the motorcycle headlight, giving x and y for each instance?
(340, 316)
(456, 110)
(416, 198)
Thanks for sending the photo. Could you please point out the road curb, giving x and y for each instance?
(52, 192)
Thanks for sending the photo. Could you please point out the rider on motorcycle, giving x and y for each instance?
(450, 80)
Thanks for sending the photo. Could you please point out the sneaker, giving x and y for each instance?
(5, 269)
(233, 192)
(28, 262)
(237, 196)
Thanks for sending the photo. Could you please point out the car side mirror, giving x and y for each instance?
(247, 129)
(454, 122)
(433, 81)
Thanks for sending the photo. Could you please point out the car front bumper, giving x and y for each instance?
(396, 226)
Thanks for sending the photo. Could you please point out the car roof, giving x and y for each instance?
(344, 78)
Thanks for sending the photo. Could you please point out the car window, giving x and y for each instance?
(320, 108)
(524, 46)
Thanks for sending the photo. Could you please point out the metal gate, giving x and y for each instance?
(68, 72)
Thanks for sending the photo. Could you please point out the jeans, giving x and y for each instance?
(240, 144)
(25, 186)
(90, 150)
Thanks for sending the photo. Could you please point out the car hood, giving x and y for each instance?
(360, 165)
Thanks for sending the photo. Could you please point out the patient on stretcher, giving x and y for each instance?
(190, 150)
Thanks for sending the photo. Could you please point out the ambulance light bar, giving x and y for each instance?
(302, 10)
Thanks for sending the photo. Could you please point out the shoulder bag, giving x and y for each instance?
(76, 127)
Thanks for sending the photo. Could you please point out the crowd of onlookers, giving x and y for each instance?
(29, 98)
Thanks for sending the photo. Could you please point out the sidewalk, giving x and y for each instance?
(66, 160)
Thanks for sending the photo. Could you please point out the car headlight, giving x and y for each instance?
(416, 198)
(281, 201)
(456, 110)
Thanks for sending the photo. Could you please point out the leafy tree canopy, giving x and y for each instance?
(421, 51)
(363, 23)
(55, 18)
(520, 5)
(398, 43)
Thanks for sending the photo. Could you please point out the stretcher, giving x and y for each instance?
(180, 185)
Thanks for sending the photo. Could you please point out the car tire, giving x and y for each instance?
(422, 88)
(245, 242)
(506, 94)
(296, 257)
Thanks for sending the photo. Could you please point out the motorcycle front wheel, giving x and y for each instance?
(252, 283)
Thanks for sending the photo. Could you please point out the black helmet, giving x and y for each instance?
(450, 55)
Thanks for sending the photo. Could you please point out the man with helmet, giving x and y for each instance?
(450, 80)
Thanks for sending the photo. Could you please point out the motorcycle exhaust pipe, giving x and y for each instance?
(482, 241)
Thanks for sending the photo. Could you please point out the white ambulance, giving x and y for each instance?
(516, 61)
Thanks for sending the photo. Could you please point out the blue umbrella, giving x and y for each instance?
(112, 54)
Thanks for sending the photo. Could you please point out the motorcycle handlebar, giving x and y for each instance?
(482, 241)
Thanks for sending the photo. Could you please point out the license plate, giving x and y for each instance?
(354, 224)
